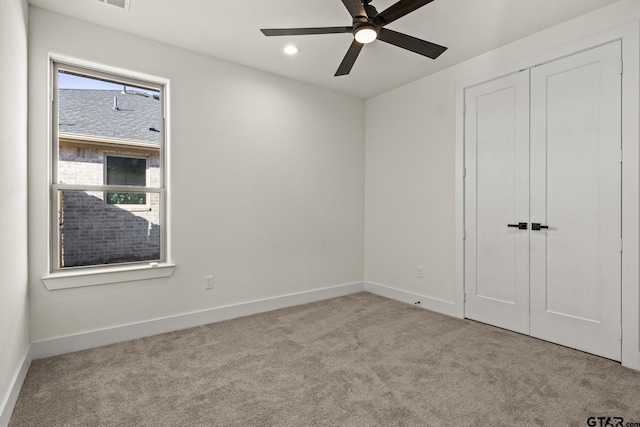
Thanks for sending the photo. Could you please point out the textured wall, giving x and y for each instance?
(410, 161)
(14, 329)
(266, 183)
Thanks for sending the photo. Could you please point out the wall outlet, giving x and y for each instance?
(420, 272)
(208, 282)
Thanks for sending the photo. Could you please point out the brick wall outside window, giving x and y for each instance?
(95, 232)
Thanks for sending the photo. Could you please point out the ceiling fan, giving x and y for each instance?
(368, 25)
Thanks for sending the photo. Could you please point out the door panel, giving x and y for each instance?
(576, 192)
(497, 194)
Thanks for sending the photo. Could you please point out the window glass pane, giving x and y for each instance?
(96, 116)
(126, 171)
(108, 134)
(126, 198)
(95, 233)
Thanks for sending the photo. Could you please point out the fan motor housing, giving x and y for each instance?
(364, 23)
(371, 11)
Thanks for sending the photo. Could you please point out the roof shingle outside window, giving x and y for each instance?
(112, 114)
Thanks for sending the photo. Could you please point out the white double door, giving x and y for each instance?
(543, 146)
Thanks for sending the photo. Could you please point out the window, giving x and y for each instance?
(126, 171)
(108, 195)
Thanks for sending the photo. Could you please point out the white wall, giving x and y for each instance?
(14, 326)
(267, 183)
(410, 161)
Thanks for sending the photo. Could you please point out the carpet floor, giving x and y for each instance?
(359, 360)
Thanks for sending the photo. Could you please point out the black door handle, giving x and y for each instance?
(520, 225)
(537, 226)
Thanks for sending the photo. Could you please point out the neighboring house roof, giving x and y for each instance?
(92, 113)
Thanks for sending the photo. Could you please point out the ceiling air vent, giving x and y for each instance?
(122, 4)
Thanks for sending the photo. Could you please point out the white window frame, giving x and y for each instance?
(66, 277)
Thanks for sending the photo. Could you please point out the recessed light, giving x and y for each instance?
(291, 49)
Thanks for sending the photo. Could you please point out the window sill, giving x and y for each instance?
(106, 275)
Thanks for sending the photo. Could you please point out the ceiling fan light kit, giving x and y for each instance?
(368, 26)
(365, 33)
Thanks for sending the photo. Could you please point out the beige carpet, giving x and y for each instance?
(359, 360)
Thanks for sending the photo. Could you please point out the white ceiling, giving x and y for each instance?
(229, 29)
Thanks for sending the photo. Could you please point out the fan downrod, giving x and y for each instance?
(370, 9)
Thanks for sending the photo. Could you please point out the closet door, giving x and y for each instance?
(496, 201)
(576, 193)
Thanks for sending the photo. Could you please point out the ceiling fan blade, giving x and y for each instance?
(413, 44)
(349, 59)
(398, 10)
(355, 8)
(305, 31)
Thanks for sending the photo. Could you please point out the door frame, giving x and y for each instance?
(629, 35)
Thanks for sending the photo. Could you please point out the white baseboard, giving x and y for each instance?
(429, 303)
(9, 401)
(93, 339)
(69, 344)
